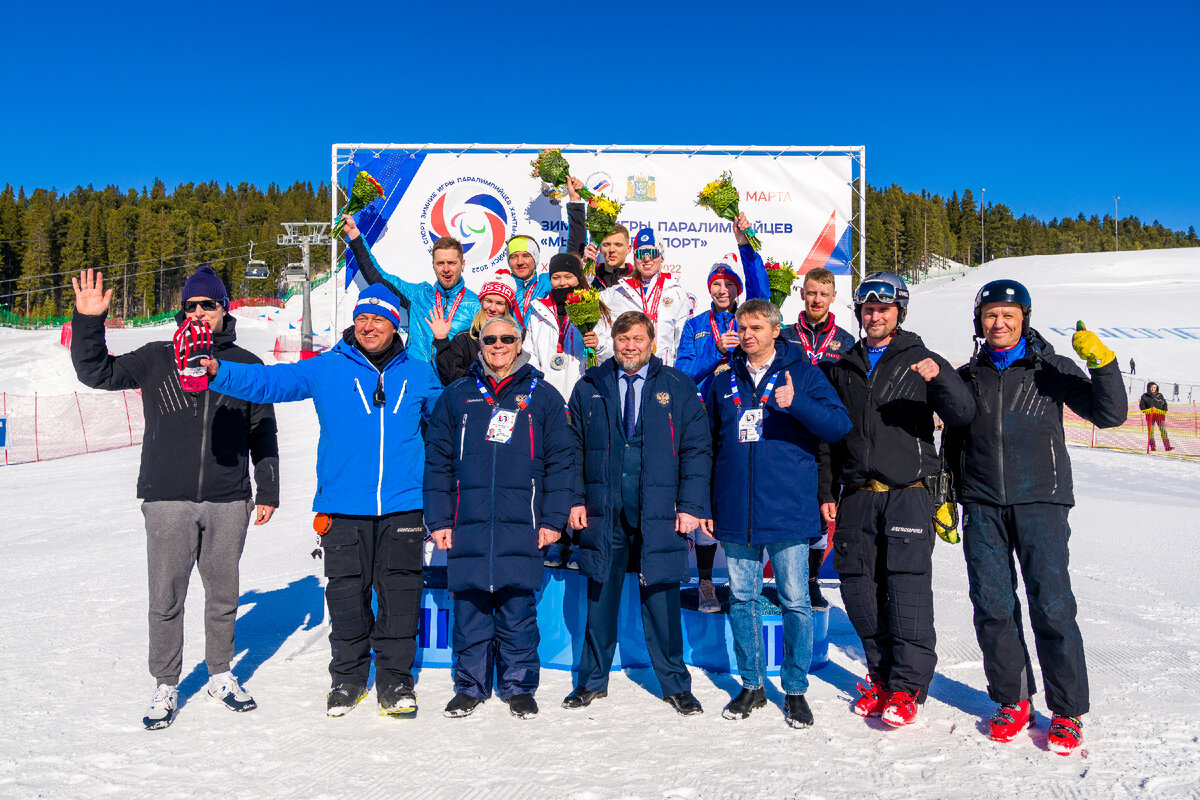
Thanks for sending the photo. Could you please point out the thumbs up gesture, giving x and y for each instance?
(1089, 347)
(786, 393)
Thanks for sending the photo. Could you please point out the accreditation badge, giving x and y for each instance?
(500, 428)
(750, 425)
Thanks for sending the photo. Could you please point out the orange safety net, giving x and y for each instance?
(1180, 428)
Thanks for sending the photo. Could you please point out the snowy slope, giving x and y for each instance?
(73, 640)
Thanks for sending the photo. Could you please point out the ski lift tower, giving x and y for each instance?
(304, 235)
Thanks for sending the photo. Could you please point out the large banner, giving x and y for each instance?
(800, 205)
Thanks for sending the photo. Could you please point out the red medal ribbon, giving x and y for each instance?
(439, 304)
(815, 355)
(650, 304)
(522, 308)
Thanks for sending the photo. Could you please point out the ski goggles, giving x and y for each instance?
(208, 305)
(879, 292)
(647, 253)
(506, 338)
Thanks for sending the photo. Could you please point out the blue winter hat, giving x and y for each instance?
(645, 239)
(378, 299)
(205, 283)
(723, 271)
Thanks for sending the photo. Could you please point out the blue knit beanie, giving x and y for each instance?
(378, 299)
(205, 283)
(723, 271)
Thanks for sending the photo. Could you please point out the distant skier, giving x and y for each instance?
(1154, 406)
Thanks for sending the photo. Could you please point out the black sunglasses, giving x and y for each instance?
(208, 305)
(507, 338)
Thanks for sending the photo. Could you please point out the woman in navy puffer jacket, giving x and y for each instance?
(497, 489)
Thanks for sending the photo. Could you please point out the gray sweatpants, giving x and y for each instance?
(179, 535)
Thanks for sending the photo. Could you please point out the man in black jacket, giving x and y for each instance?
(1013, 475)
(194, 479)
(883, 544)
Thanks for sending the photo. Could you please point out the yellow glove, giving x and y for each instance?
(945, 522)
(1090, 348)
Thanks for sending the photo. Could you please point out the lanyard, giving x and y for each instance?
(439, 304)
(716, 331)
(564, 325)
(815, 355)
(522, 309)
(733, 390)
(650, 304)
(491, 401)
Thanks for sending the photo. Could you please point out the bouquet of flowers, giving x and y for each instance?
(583, 310)
(553, 170)
(366, 190)
(781, 277)
(722, 197)
(601, 217)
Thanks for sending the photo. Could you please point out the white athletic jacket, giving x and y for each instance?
(674, 309)
(541, 343)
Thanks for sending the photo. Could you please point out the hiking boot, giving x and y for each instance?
(224, 687)
(1066, 734)
(342, 698)
(709, 603)
(901, 710)
(397, 701)
(1009, 720)
(874, 698)
(462, 705)
(523, 706)
(796, 712)
(163, 706)
(746, 701)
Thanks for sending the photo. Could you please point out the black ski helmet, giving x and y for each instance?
(1003, 291)
(881, 287)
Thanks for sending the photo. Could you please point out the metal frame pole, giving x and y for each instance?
(862, 211)
(333, 209)
(1117, 221)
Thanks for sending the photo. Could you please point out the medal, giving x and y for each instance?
(558, 361)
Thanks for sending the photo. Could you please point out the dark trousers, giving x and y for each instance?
(883, 548)
(380, 555)
(1038, 534)
(496, 633)
(661, 621)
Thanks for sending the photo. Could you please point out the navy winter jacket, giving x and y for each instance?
(1014, 451)
(766, 491)
(676, 467)
(368, 456)
(495, 496)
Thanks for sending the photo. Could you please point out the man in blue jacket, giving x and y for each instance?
(432, 309)
(635, 512)
(769, 412)
(372, 400)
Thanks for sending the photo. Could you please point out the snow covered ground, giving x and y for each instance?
(73, 633)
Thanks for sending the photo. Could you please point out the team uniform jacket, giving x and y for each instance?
(367, 455)
(698, 353)
(892, 411)
(766, 491)
(496, 496)
(674, 308)
(835, 340)
(420, 299)
(1013, 450)
(195, 444)
(676, 467)
(541, 343)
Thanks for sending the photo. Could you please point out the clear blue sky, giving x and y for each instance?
(1053, 107)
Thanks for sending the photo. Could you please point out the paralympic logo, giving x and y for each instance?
(473, 210)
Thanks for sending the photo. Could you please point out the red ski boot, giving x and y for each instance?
(874, 698)
(1066, 734)
(901, 710)
(1009, 720)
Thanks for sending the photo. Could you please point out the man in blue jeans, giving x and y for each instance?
(769, 413)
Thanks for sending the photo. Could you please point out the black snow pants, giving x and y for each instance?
(1038, 534)
(883, 550)
(383, 555)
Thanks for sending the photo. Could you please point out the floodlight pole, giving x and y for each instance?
(982, 212)
(304, 235)
(1117, 221)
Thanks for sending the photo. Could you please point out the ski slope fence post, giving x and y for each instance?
(82, 427)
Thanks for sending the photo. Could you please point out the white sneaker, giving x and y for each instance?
(161, 712)
(709, 603)
(224, 687)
